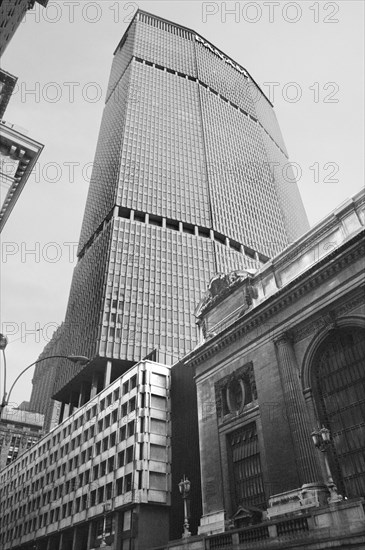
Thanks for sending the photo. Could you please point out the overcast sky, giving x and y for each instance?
(308, 53)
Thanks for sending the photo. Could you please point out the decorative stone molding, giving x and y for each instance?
(329, 319)
(245, 379)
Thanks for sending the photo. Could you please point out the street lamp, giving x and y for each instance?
(322, 440)
(184, 488)
(107, 508)
(6, 396)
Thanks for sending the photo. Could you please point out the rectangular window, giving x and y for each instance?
(119, 486)
(158, 481)
(130, 428)
(122, 433)
(120, 459)
(128, 483)
(247, 487)
(158, 402)
(129, 454)
(158, 453)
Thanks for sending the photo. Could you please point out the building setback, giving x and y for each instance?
(188, 182)
(105, 470)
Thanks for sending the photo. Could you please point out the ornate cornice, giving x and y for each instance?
(304, 283)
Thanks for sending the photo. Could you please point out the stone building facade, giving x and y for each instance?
(281, 352)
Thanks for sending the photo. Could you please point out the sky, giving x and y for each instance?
(307, 57)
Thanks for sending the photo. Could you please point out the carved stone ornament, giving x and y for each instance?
(235, 391)
(221, 285)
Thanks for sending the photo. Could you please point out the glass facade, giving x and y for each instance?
(182, 188)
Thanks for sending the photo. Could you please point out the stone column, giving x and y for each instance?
(296, 410)
(60, 545)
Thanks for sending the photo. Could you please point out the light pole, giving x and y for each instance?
(6, 396)
(107, 508)
(184, 488)
(322, 439)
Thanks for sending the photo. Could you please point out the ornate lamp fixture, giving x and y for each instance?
(322, 440)
(184, 488)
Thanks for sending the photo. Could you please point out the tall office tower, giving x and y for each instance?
(191, 178)
(11, 15)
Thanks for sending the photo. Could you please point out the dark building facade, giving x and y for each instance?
(187, 183)
(11, 15)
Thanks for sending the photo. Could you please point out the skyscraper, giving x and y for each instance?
(191, 178)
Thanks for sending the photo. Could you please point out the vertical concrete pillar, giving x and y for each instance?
(296, 410)
(79, 402)
(62, 411)
(48, 547)
(76, 539)
(90, 542)
(107, 374)
(94, 385)
(60, 544)
(117, 530)
(66, 411)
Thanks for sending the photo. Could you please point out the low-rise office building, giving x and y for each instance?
(103, 474)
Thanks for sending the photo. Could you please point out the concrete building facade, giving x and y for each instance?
(102, 475)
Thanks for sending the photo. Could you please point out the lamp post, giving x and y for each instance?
(184, 488)
(107, 508)
(322, 439)
(6, 396)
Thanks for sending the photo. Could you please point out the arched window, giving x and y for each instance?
(338, 382)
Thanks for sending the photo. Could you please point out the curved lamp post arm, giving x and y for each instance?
(74, 358)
